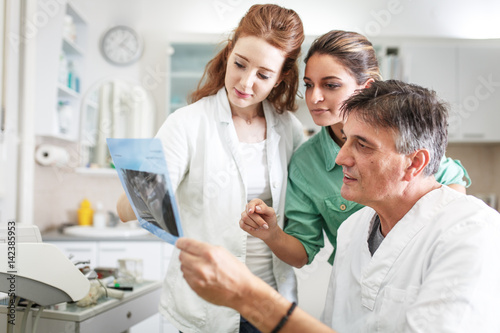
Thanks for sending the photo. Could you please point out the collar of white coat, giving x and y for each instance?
(396, 241)
(224, 112)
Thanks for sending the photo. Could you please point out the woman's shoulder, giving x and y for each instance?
(311, 146)
(194, 110)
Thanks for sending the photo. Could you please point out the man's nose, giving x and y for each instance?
(344, 157)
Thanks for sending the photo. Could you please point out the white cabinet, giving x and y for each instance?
(149, 252)
(465, 74)
(434, 66)
(155, 256)
(79, 251)
(479, 91)
(60, 44)
(186, 65)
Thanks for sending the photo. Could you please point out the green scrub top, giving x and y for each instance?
(313, 200)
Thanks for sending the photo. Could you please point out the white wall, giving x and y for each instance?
(159, 21)
(9, 139)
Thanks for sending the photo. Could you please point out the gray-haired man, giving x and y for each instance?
(420, 257)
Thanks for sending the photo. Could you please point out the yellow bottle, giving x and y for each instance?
(85, 213)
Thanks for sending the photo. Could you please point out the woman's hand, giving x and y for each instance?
(259, 220)
(124, 209)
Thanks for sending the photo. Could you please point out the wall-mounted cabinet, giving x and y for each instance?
(465, 74)
(479, 93)
(59, 71)
(186, 65)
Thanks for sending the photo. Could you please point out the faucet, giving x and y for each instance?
(81, 262)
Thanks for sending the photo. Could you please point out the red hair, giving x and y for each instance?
(278, 26)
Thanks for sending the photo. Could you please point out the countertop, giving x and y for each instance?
(55, 235)
(108, 315)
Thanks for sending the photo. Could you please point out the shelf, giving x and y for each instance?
(97, 171)
(175, 106)
(187, 75)
(66, 92)
(75, 12)
(91, 104)
(71, 48)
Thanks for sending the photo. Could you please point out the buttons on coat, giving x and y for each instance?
(276, 184)
(343, 207)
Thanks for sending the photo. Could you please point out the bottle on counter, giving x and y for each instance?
(85, 213)
(100, 216)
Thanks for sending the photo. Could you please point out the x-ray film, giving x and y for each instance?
(142, 170)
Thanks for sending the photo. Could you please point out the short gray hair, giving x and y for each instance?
(417, 116)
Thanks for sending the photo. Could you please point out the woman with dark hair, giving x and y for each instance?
(338, 64)
(233, 144)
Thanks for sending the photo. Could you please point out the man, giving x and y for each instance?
(420, 257)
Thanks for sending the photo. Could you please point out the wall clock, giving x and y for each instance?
(121, 45)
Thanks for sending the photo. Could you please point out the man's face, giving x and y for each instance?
(373, 169)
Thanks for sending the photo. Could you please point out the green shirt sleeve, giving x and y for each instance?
(300, 207)
(452, 172)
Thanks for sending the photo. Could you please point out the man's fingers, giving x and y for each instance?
(191, 246)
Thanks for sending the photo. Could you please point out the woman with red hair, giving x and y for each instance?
(231, 145)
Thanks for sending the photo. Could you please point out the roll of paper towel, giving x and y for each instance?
(50, 155)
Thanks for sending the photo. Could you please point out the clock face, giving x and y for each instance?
(121, 45)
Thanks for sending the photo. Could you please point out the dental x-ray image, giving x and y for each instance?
(151, 198)
(143, 172)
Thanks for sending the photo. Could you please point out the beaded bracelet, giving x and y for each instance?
(285, 318)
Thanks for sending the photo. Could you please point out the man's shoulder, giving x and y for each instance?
(449, 208)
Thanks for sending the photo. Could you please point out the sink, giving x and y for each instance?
(89, 231)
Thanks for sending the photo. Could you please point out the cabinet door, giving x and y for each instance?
(149, 252)
(79, 251)
(479, 91)
(435, 67)
(167, 254)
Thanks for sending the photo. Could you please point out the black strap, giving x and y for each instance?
(285, 318)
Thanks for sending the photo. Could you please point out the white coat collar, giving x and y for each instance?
(224, 112)
(272, 140)
(394, 244)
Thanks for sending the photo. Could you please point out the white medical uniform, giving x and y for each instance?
(437, 270)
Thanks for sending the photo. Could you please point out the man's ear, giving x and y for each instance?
(417, 163)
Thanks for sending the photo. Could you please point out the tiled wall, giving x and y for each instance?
(59, 191)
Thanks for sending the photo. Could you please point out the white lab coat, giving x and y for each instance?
(437, 270)
(201, 150)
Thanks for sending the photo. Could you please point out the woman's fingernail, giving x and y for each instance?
(265, 226)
